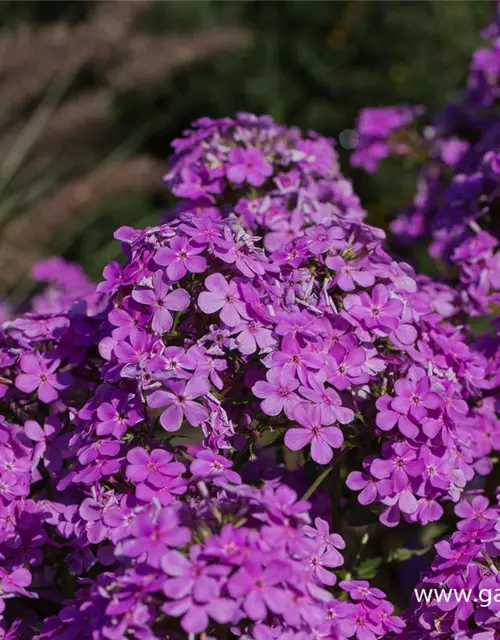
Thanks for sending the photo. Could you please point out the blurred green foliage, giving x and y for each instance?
(311, 64)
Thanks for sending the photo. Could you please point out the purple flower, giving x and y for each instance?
(161, 301)
(410, 406)
(296, 361)
(222, 296)
(277, 393)
(48, 444)
(99, 448)
(116, 416)
(378, 311)
(180, 258)
(210, 465)
(196, 615)
(349, 275)
(328, 401)
(156, 467)
(153, 536)
(398, 469)
(322, 439)
(180, 402)
(40, 372)
(346, 369)
(366, 484)
(259, 588)
(321, 535)
(248, 165)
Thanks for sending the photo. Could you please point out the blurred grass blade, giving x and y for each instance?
(20, 149)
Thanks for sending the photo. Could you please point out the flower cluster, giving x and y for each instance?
(381, 133)
(455, 211)
(465, 570)
(149, 427)
(230, 558)
(458, 188)
(271, 178)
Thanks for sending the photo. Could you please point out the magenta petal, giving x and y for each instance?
(27, 382)
(407, 427)
(236, 174)
(368, 495)
(277, 599)
(195, 621)
(138, 456)
(209, 303)
(381, 468)
(401, 404)
(196, 387)
(254, 606)
(196, 264)
(159, 399)
(176, 270)
(391, 516)
(34, 431)
(162, 321)
(29, 363)
(321, 451)
(144, 296)
(296, 439)
(229, 315)
(432, 400)
(171, 418)
(386, 420)
(407, 502)
(195, 413)
(406, 334)
(176, 587)
(177, 300)
(272, 405)
(47, 393)
(356, 480)
(333, 435)
(222, 610)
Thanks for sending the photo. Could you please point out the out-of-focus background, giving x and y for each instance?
(92, 93)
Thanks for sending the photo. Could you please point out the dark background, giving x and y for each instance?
(92, 93)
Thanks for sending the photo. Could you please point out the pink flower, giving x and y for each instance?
(278, 393)
(160, 301)
(248, 165)
(378, 311)
(208, 464)
(328, 400)
(153, 537)
(180, 402)
(223, 296)
(347, 368)
(297, 361)
(260, 588)
(40, 373)
(411, 402)
(349, 274)
(327, 541)
(180, 258)
(322, 439)
(156, 467)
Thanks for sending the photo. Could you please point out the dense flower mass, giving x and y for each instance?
(465, 569)
(273, 179)
(455, 211)
(189, 449)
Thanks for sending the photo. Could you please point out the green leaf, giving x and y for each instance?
(402, 554)
(368, 568)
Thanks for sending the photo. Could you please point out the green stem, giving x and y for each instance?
(324, 475)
